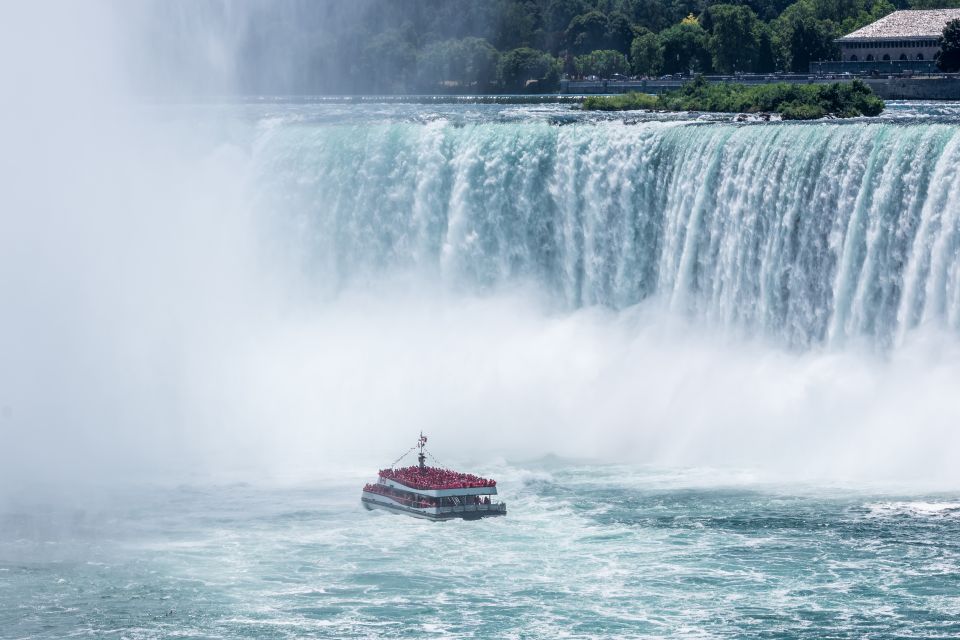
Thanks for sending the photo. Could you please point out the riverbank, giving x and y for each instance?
(791, 101)
(889, 87)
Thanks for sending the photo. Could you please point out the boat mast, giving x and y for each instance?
(421, 443)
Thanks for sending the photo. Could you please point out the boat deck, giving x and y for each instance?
(466, 512)
(432, 493)
(436, 479)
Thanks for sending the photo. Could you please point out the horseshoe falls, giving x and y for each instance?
(813, 234)
(712, 366)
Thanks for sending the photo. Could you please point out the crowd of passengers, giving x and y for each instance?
(434, 478)
(420, 502)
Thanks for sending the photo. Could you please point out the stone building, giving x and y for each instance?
(901, 36)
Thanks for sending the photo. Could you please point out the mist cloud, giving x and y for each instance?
(152, 330)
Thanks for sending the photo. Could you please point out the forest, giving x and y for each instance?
(487, 46)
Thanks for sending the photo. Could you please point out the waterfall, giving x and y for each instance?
(810, 233)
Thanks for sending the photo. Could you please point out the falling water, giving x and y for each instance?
(813, 233)
(220, 319)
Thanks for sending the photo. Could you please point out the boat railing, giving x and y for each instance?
(493, 506)
(461, 508)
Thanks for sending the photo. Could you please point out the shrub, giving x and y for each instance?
(801, 111)
(622, 102)
(792, 101)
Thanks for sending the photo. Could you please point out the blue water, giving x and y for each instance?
(811, 233)
(587, 551)
(507, 271)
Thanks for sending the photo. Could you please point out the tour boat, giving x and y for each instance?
(432, 493)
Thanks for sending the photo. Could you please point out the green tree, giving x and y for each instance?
(646, 54)
(559, 13)
(594, 31)
(526, 69)
(766, 54)
(587, 32)
(767, 10)
(863, 15)
(433, 64)
(467, 62)
(949, 58)
(556, 17)
(735, 37)
(603, 63)
(800, 37)
(619, 32)
(481, 60)
(387, 63)
(514, 23)
(685, 48)
(654, 15)
(934, 4)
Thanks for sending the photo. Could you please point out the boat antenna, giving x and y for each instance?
(437, 462)
(421, 443)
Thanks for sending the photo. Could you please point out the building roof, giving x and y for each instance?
(917, 23)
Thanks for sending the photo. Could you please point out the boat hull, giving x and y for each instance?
(472, 512)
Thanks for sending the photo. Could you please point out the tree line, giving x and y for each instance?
(404, 46)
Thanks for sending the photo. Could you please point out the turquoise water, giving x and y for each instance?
(586, 551)
(813, 233)
(309, 285)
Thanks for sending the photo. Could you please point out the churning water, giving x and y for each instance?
(757, 322)
(586, 551)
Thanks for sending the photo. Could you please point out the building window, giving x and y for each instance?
(903, 56)
(886, 57)
(919, 56)
(870, 58)
(853, 58)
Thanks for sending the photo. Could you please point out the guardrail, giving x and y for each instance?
(470, 508)
(413, 504)
(882, 67)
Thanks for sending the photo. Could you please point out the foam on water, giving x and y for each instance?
(245, 291)
(915, 508)
(587, 551)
